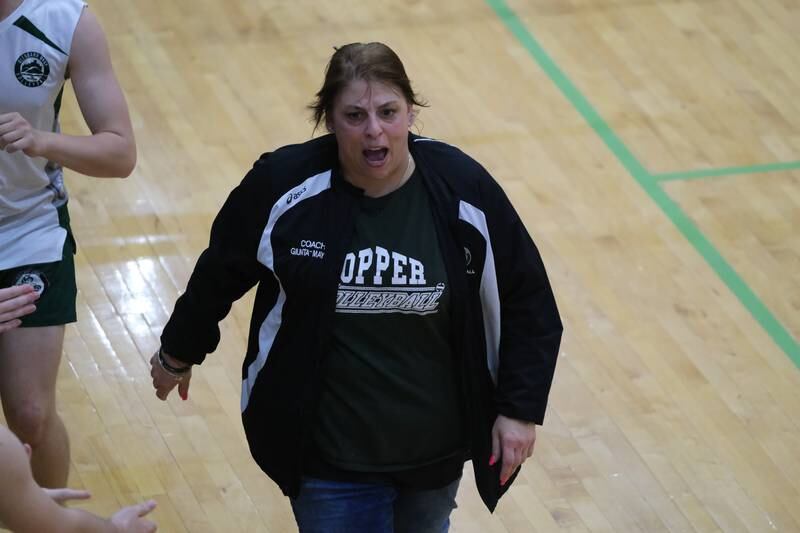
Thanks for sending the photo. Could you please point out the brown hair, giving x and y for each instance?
(359, 61)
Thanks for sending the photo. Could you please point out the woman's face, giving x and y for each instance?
(371, 121)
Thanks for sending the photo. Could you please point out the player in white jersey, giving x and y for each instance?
(42, 44)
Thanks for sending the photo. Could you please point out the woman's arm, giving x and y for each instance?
(25, 507)
(227, 269)
(529, 338)
(110, 150)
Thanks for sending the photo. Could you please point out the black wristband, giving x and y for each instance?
(168, 367)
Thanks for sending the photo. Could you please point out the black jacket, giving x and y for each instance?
(287, 227)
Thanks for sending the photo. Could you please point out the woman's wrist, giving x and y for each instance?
(172, 365)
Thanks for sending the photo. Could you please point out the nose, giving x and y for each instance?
(373, 126)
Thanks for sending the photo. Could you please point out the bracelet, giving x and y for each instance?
(175, 371)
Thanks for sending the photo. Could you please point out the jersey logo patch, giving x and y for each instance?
(32, 69)
(33, 278)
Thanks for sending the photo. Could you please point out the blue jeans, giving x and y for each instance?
(324, 506)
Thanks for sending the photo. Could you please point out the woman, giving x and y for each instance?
(403, 321)
(42, 43)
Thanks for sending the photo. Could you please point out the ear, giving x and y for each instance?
(329, 126)
(412, 114)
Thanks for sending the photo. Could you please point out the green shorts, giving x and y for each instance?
(55, 282)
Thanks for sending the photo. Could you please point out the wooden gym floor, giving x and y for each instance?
(652, 148)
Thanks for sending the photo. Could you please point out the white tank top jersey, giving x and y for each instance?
(35, 42)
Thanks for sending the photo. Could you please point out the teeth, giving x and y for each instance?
(375, 155)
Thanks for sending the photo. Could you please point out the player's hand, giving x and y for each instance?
(17, 134)
(62, 496)
(15, 302)
(131, 519)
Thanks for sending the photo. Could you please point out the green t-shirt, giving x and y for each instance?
(389, 399)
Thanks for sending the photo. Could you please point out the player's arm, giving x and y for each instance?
(25, 507)
(110, 150)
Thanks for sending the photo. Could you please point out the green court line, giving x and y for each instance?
(704, 247)
(728, 171)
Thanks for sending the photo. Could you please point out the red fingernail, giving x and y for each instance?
(185, 396)
(492, 460)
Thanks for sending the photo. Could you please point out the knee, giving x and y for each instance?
(29, 423)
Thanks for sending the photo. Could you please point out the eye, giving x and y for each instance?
(353, 115)
(388, 112)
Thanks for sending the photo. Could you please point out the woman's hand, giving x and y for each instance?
(164, 381)
(16, 302)
(512, 441)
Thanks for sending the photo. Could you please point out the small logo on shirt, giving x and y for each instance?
(32, 69)
(468, 257)
(294, 195)
(33, 278)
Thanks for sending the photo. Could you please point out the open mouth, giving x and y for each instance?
(376, 157)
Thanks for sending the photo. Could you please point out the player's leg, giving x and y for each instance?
(29, 360)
